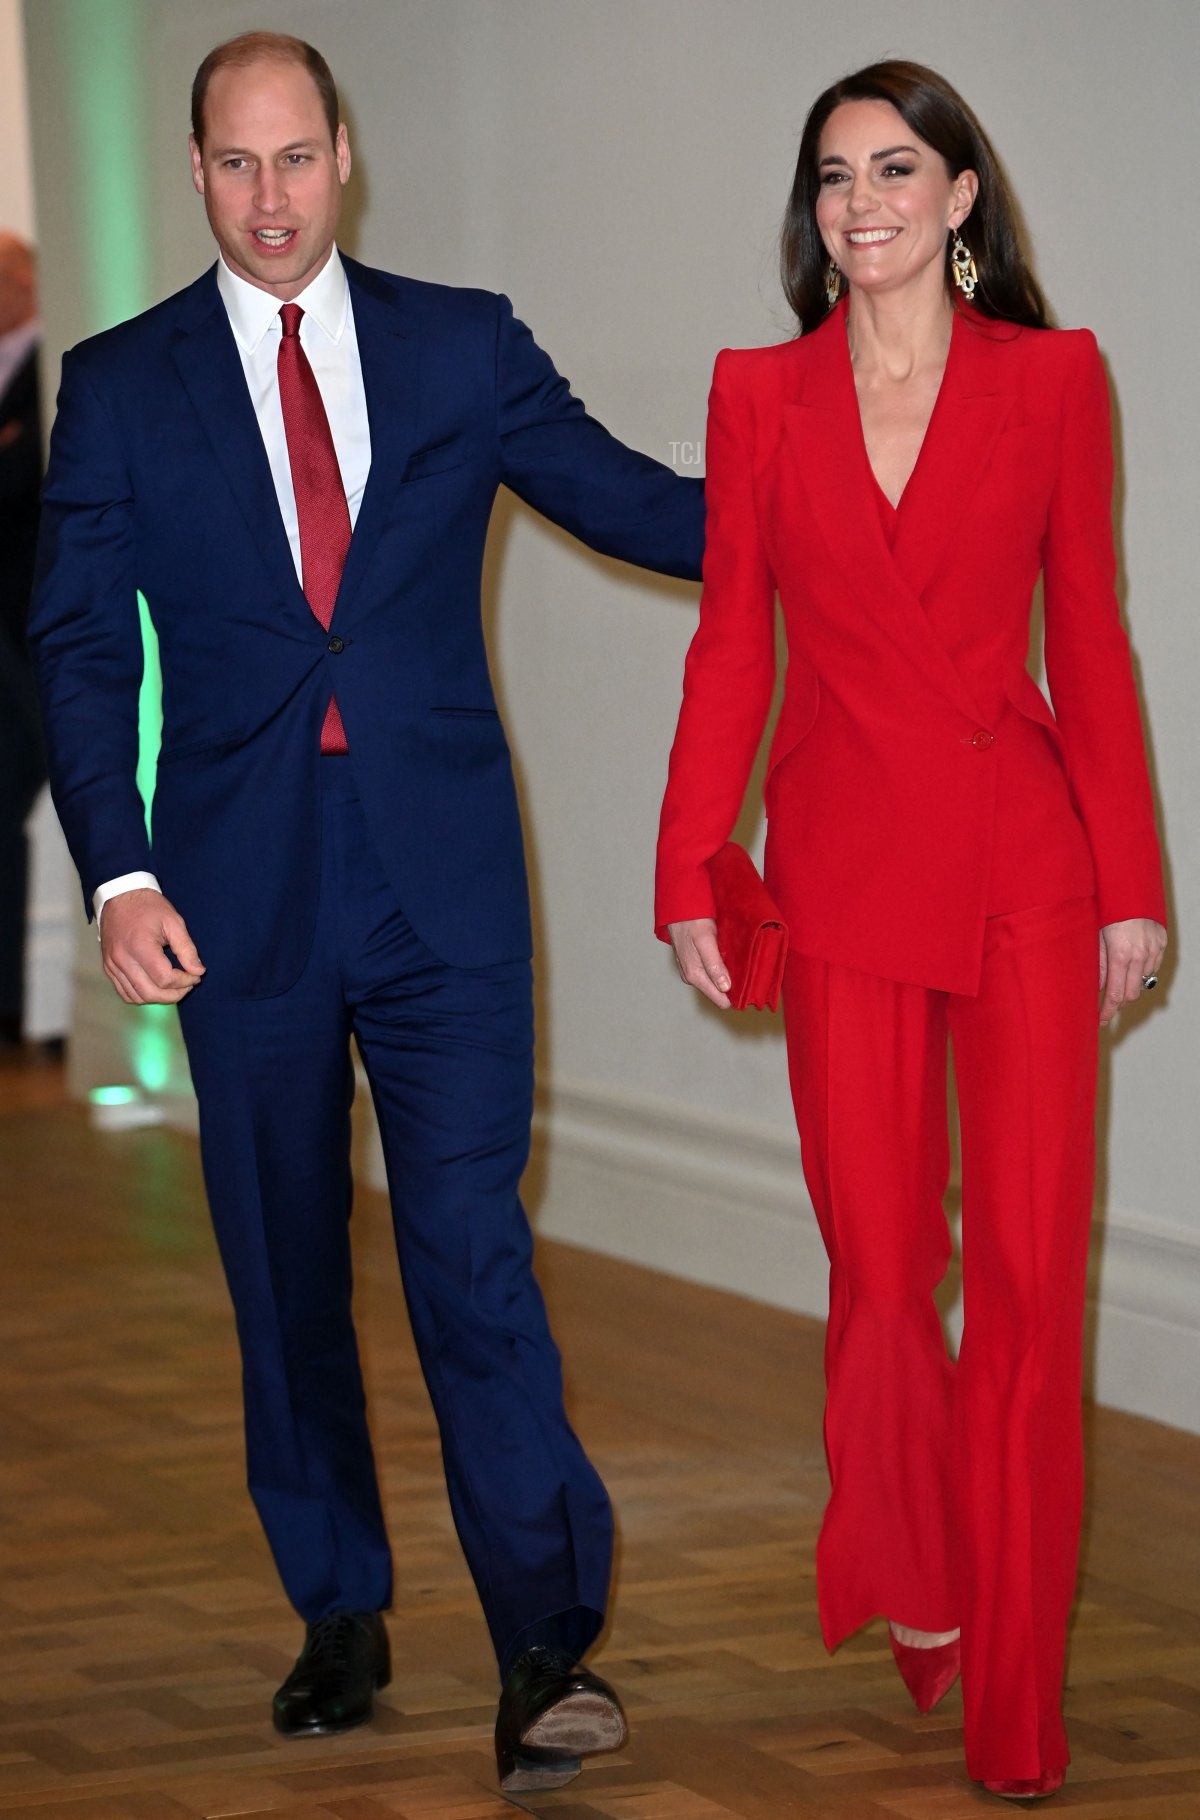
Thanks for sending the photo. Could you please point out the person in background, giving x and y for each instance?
(22, 763)
(954, 862)
(295, 461)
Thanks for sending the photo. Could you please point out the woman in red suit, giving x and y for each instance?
(945, 851)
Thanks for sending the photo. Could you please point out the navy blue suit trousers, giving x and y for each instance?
(448, 1053)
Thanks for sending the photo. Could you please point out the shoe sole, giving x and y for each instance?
(577, 1725)
(530, 1773)
(325, 1731)
(1038, 1794)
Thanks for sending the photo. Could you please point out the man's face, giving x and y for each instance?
(269, 174)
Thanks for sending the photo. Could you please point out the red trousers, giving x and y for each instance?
(957, 1487)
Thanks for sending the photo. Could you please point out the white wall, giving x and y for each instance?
(620, 168)
(16, 177)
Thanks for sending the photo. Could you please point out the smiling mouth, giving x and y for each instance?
(274, 240)
(871, 236)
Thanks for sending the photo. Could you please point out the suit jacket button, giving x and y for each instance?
(983, 739)
(337, 645)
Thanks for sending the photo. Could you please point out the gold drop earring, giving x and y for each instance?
(962, 264)
(833, 284)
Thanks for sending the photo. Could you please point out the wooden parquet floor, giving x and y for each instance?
(142, 1631)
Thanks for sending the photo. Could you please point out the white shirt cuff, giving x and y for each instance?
(128, 881)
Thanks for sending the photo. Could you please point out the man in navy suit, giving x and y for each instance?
(295, 461)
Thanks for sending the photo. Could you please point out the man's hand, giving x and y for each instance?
(135, 929)
(699, 959)
(1129, 953)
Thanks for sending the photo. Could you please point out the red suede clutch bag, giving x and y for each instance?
(751, 934)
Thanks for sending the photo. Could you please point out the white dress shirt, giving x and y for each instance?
(328, 338)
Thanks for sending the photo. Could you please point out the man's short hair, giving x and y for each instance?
(264, 47)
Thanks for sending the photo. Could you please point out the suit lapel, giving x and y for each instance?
(825, 428)
(831, 461)
(390, 361)
(205, 354)
(968, 417)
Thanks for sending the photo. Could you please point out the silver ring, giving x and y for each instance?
(1149, 981)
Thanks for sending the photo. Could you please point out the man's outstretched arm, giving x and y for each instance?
(567, 466)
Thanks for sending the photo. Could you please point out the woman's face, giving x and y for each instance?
(886, 201)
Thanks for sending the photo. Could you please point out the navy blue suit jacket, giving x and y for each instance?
(158, 480)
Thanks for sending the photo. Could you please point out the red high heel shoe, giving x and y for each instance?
(1034, 1790)
(928, 1674)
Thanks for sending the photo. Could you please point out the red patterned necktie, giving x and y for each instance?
(320, 496)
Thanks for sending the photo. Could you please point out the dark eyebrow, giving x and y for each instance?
(836, 158)
(240, 151)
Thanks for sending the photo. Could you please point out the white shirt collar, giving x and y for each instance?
(252, 312)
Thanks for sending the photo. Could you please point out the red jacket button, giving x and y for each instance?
(983, 739)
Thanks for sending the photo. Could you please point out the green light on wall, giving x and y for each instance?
(102, 44)
(113, 1096)
(153, 1047)
(121, 1109)
(149, 710)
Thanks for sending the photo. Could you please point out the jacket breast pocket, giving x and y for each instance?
(438, 458)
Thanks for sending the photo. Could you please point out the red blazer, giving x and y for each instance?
(918, 781)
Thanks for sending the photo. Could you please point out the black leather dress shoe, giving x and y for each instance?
(332, 1687)
(552, 1713)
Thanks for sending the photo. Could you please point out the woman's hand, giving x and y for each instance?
(1129, 953)
(699, 959)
